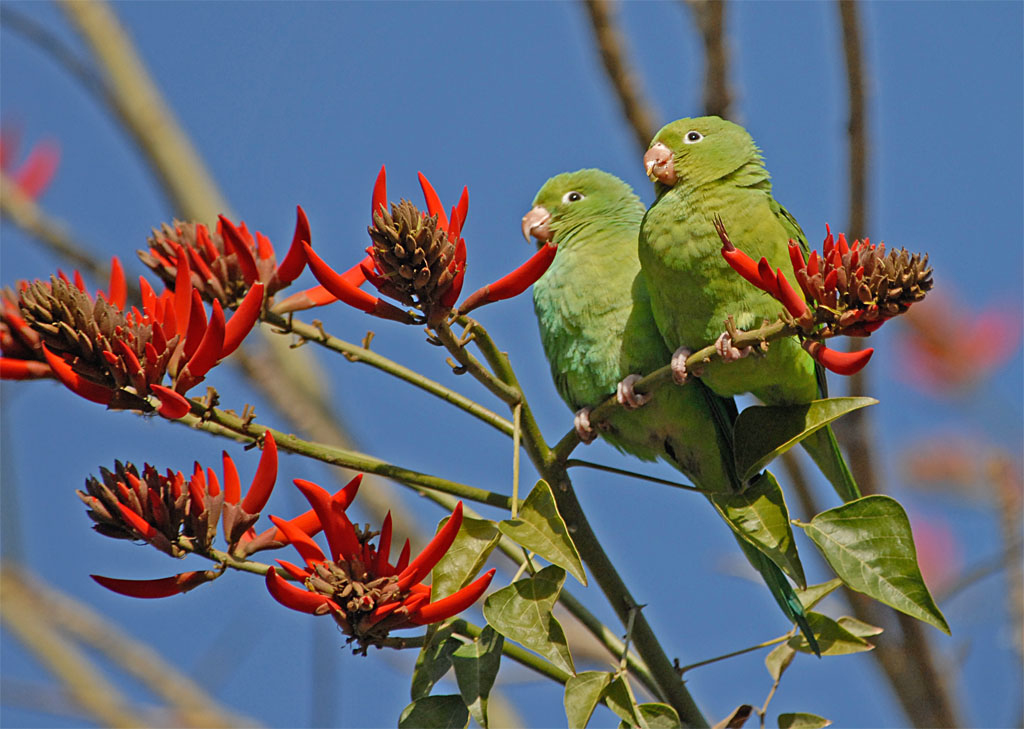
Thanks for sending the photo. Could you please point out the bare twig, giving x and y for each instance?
(624, 78)
(710, 18)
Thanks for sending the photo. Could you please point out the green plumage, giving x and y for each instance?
(693, 290)
(597, 327)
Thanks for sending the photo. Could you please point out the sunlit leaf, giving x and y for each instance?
(763, 432)
(476, 667)
(816, 593)
(869, 544)
(435, 712)
(433, 662)
(833, 639)
(759, 515)
(540, 528)
(859, 627)
(737, 718)
(522, 612)
(802, 721)
(472, 546)
(657, 716)
(619, 698)
(779, 659)
(582, 695)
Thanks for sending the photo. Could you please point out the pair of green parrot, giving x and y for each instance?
(632, 290)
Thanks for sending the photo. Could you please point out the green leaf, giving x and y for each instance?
(802, 721)
(435, 712)
(859, 627)
(758, 514)
(779, 659)
(433, 662)
(476, 667)
(869, 544)
(833, 639)
(816, 593)
(457, 568)
(658, 716)
(540, 528)
(736, 719)
(619, 698)
(582, 695)
(763, 432)
(522, 612)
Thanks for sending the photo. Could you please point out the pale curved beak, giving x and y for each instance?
(535, 223)
(659, 164)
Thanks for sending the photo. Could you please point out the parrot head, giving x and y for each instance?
(698, 150)
(570, 200)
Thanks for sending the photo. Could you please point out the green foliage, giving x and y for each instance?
(802, 721)
(435, 712)
(476, 667)
(583, 693)
(522, 612)
(657, 716)
(540, 528)
(833, 639)
(472, 546)
(869, 544)
(618, 697)
(434, 660)
(759, 515)
(779, 659)
(763, 432)
(814, 594)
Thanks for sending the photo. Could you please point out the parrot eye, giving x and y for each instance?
(573, 196)
(693, 137)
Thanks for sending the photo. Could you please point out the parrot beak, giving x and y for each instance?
(535, 223)
(659, 164)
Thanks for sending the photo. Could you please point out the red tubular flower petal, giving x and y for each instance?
(172, 404)
(843, 246)
(829, 242)
(454, 603)
(380, 612)
(379, 201)
(80, 282)
(742, 264)
(812, 264)
(263, 481)
(842, 363)
(118, 286)
(316, 296)
(831, 279)
(75, 382)
(243, 320)
(143, 527)
(342, 289)
(767, 276)
(459, 213)
(341, 536)
(381, 566)
(23, 369)
(293, 263)
(294, 597)
(343, 498)
(297, 572)
(203, 239)
(195, 327)
(514, 283)
(207, 354)
(307, 522)
(796, 256)
(213, 485)
(149, 589)
(789, 298)
(196, 486)
(36, 172)
(238, 245)
(308, 549)
(232, 484)
(432, 553)
(182, 291)
(434, 206)
(264, 248)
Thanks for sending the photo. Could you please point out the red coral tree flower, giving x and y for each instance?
(849, 289)
(35, 173)
(356, 583)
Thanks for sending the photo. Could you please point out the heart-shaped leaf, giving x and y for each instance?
(435, 712)
(763, 432)
(522, 612)
(657, 716)
(476, 667)
(833, 639)
(540, 528)
(582, 695)
(457, 568)
(758, 514)
(869, 544)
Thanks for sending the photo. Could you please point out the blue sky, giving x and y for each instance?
(300, 103)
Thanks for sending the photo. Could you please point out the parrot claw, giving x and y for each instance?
(627, 396)
(729, 353)
(582, 424)
(679, 372)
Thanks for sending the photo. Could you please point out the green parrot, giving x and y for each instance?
(701, 168)
(599, 336)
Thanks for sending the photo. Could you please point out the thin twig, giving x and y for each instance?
(626, 82)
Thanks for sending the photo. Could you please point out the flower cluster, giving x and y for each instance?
(225, 264)
(848, 289)
(356, 582)
(116, 356)
(175, 514)
(417, 259)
